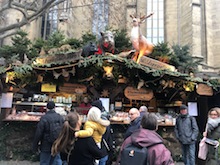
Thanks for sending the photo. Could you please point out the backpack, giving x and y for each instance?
(55, 127)
(133, 154)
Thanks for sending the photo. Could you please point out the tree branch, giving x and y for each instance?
(26, 19)
(27, 7)
(5, 35)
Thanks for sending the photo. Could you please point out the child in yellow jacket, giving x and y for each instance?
(94, 126)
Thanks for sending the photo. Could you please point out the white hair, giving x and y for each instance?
(143, 109)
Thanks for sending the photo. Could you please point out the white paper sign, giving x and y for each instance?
(105, 103)
(192, 109)
(7, 100)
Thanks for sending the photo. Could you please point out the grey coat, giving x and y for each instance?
(212, 158)
(186, 129)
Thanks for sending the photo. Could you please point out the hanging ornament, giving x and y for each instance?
(73, 71)
(105, 93)
(56, 75)
(65, 73)
(108, 72)
(140, 84)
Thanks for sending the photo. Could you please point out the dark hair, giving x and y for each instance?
(66, 137)
(98, 104)
(149, 121)
(50, 105)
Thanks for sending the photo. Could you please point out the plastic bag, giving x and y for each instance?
(211, 142)
(203, 149)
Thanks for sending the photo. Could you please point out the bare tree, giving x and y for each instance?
(29, 9)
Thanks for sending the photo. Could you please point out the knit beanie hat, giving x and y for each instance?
(98, 104)
(94, 114)
(50, 105)
(183, 107)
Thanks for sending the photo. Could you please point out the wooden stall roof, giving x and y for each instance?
(44, 63)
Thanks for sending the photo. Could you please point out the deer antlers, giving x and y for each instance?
(142, 18)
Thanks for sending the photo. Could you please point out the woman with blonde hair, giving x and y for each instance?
(75, 151)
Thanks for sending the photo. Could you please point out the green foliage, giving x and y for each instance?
(33, 52)
(182, 59)
(20, 43)
(122, 41)
(161, 49)
(74, 43)
(56, 39)
(20, 46)
(23, 69)
(178, 56)
(39, 43)
(35, 48)
(6, 51)
(88, 36)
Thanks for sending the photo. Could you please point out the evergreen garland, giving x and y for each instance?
(178, 56)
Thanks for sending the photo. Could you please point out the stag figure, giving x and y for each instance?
(139, 42)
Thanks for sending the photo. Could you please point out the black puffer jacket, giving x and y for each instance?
(43, 130)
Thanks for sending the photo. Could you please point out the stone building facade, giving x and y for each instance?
(191, 22)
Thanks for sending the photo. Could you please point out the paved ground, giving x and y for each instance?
(18, 163)
(37, 163)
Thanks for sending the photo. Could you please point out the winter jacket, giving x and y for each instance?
(94, 126)
(213, 158)
(85, 152)
(186, 129)
(107, 140)
(93, 129)
(43, 130)
(134, 125)
(142, 113)
(158, 154)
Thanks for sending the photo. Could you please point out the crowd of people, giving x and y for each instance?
(92, 143)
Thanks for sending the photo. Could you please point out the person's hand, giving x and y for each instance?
(204, 134)
(217, 144)
(76, 134)
(36, 151)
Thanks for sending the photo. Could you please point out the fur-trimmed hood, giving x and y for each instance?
(94, 114)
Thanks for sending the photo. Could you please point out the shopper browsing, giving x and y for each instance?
(186, 131)
(47, 131)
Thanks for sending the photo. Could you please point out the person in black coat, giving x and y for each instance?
(135, 123)
(75, 151)
(107, 138)
(107, 145)
(42, 135)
